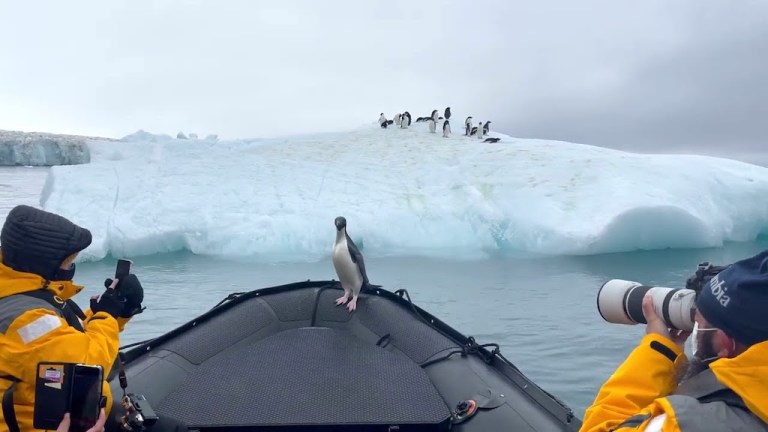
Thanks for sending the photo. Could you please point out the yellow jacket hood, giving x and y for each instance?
(16, 282)
(747, 376)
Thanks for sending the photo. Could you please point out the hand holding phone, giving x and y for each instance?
(64, 426)
(123, 268)
(71, 388)
(127, 286)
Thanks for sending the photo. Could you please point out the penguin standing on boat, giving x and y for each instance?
(446, 129)
(349, 265)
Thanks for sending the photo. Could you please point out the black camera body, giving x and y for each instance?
(139, 413)
(704, 273)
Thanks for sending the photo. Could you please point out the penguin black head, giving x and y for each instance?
(340, 223)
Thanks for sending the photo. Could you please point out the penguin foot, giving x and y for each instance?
(352, 305)
(341, 300)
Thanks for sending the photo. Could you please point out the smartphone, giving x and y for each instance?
(122, 268)
(67, 387)
(85, 397)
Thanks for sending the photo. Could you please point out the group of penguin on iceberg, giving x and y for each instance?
(404, 120)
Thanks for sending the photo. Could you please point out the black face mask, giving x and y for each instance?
(64, 274)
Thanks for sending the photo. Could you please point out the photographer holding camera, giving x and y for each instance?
(724, 387)
(38, 319)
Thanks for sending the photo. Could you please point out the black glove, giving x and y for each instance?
(131, 290)
(109, 302)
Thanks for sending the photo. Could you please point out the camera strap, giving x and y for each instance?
(121, 374)
(9, 413)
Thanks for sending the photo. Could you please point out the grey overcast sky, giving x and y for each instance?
(650, 74)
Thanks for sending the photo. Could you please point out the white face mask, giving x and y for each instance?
(694, 338)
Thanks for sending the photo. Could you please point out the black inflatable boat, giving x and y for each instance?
(288, 358)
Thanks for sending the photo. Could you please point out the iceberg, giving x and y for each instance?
(403, 192)
(42, 149)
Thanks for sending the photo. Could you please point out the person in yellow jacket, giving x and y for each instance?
(38, 319)
(723, 387)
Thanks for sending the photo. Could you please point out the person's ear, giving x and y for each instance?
(67, 263)
(724, 345)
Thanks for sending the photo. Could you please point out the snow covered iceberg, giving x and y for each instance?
(403, 192)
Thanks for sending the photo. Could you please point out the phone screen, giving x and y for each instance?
(122, 268)
(85, 397)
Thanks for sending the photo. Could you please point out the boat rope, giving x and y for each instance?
(471, 347)
(231, 296)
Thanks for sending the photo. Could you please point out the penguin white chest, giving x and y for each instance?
(346, 269)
